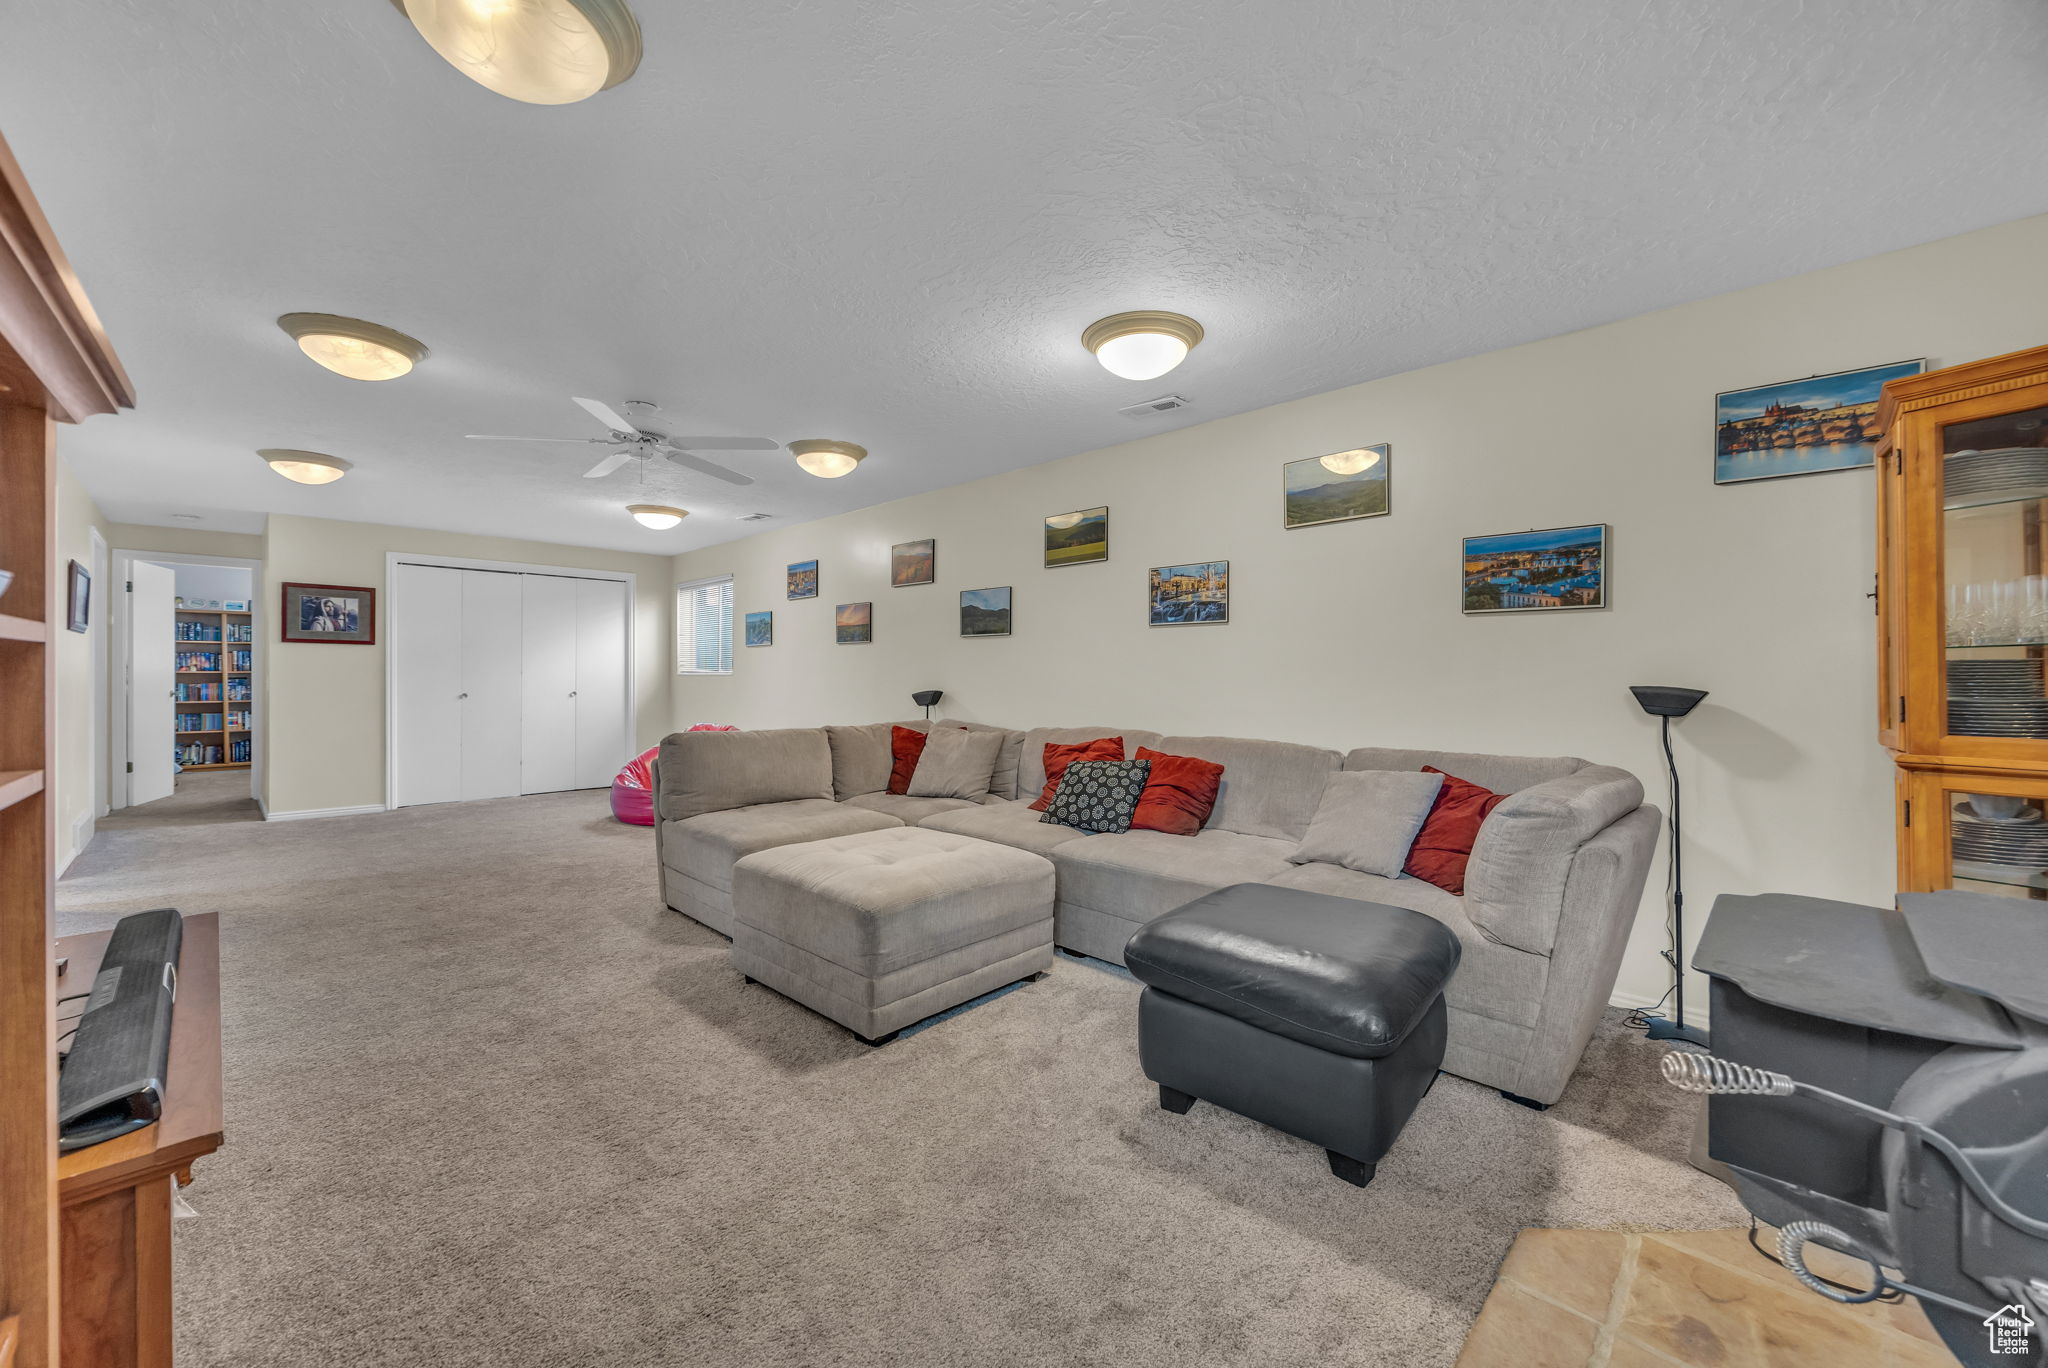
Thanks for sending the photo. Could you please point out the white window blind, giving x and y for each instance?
(704, 626)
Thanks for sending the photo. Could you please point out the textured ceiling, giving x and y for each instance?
(889, 222)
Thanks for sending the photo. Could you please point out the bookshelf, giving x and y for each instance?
(213, 702)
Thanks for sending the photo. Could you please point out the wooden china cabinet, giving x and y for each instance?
(1962, 513)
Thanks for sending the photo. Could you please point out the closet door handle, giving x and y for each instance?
(459, 697)
(572, 693)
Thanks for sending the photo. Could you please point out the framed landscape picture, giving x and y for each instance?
(1336, 488)
(802, 579)
(1801, 427)
(985, 612)
(853, 624)
(1554, 567)
(913, 563)
(79, 606)
(760, 629)
(332, 614)
(1188, 595)
(1077, 538)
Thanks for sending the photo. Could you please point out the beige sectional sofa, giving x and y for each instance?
(1551, 892)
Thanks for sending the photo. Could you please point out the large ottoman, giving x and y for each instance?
(883, 928)
(1318, 1015)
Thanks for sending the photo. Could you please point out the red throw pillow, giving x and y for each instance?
(1179, 794)
(1058, 757)
(1444, 845)
(907, 747)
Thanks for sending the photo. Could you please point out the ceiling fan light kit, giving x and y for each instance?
(305, 467)
(546, 52)
(827, 460)
(635, 439)
(1143, 344)
(352, 347)
(660, 517)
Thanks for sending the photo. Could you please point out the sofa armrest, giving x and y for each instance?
(1515, 883)
(700, 772)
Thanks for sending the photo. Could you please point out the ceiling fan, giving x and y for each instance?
(642, 438)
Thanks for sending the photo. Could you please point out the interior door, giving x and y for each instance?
(603, 739)
(491, 690)
(426, 686)
(548, 716)
(152, 651)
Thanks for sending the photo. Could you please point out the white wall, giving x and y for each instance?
(212, 581)
(79, 723)
(1349, 634)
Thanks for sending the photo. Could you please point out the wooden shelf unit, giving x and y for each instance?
(220, 619)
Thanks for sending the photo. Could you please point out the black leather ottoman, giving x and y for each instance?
(1317, 1015)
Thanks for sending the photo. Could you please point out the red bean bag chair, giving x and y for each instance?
(633, 790)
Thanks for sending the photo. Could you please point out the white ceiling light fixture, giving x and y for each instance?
(1142, 345)
(1352, 462)
(352, 347)
(546, 52)
(827, 460)
(305, 467)
(660, 517)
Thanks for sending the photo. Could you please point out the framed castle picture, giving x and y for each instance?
(803, 580)
(1185, 595)
(1552, 567)
(1801, 427)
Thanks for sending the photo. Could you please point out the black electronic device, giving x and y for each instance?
(112, 1078)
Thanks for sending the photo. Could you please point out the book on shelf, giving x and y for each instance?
(198, 753)
(197, 722)
(198, 661)
(198, 631)
(240, 660)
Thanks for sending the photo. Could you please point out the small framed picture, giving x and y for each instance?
(80, 601)
(1553, 567)
(1801, 427)
(760, 629)
(913, 563)
(803, 580)
(1188, 595)
(1336, 488)
(330, 614)
(853, 624)
(1077, 538)
(985, 612)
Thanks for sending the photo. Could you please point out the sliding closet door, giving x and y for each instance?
(548, 726)
(426, 686)
(603, 742)
(490, 684)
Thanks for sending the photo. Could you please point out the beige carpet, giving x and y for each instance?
(490, 1104)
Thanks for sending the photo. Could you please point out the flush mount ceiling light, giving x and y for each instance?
(351, 347)
(546, 52)
(305, 467)
(660, 517)
(827, 460)
(1353, 461)
(1142, 345)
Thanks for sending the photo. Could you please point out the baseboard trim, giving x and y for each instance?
(306, 813)
(1695, 1012)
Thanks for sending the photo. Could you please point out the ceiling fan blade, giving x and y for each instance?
(702, 467)
(725, 444)
(493, 437)
(604, 413)
(608, 465)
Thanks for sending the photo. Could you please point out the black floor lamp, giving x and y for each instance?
(926, 698)
(1664, 702)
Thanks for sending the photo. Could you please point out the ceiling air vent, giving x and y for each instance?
(1165, 403)
(755, 517)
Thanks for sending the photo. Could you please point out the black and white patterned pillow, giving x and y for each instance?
(1098, 795)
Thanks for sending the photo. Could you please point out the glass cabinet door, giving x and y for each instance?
(1998, 842)
(1995, 612)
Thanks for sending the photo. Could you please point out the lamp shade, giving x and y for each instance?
(826, 459)
(1142, 345)
(927, 698)
(1666, 700)
(352, 347)
(547, 52)
(304, 467)
(660, 517)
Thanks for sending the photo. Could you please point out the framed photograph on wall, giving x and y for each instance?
(914, 562)
(1188, 595)
(1552, 567)
(79, 604)
(1336, 488)
(1801, 427)
(1077, 538)
(985, 612)
(803, 580)
(331, 614)
(760, 629)
(853, 624)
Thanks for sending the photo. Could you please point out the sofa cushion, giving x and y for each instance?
(1443, 847)
(1010, 823)
(906, 809)
(1501, 773)
(1368, 820)
(1055, 756)
(1514, 884)
(1270, 788)
(1098, 795)
(860, 759)
(1139, 874)
(1031, 757)
(705, 846)
(906, 748)
(956, 763)
(1180, 793)
(700, 772)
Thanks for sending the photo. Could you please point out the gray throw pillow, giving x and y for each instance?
(1098, 795)
(1368, 819)
(956, 763)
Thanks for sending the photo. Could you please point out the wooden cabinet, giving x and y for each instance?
(1963, 622)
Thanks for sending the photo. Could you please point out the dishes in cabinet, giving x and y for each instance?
(1971, 478)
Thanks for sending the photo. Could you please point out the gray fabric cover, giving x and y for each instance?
(905, 809)
(1031, 759)
(861, 758)
(705, 847)
(704, 772)
(956, 763)
(1501, 773)
(1270, 788)
(1368, 819)
(1006, 823)
(1515, 883)
(1139, 874)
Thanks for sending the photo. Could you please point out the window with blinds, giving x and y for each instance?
(704, 627)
